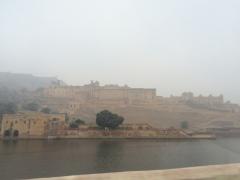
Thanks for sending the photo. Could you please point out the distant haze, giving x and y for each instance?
(171, 45)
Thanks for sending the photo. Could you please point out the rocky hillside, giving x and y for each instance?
(167, 116)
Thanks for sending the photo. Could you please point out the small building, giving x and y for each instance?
(28, 124)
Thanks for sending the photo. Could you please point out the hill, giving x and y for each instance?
(17, 87)
(16, 81)
(166, 116)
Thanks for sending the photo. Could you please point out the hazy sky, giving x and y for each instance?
(172, 45)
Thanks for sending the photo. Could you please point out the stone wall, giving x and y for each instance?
(211, 100)
(124, 131)
(72, 99)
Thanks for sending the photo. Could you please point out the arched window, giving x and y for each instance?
(15, 133)
(6, 133)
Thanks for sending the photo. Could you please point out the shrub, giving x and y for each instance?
(31, 106)
(46, 110)
(79, 122)
(73, 125)
(184, 125)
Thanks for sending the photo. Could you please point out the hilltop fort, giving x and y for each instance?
(136, 105)
(72, 98)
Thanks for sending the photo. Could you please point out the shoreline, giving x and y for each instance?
(108, 138)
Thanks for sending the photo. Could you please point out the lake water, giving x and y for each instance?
(47, 158)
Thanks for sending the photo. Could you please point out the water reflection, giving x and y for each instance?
(36, 158)
(109, 155)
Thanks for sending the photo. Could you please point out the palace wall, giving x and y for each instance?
(101, 94)
(75, 97)
(25, 124)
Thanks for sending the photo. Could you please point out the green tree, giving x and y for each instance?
(107, 119)
(73, 125)
(10, 108)
(46, 110)
(79, 122)
(184, 125)
(66, 117)
(76, 123)
(7, 108)
(31, 106)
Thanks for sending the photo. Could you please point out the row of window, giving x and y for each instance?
(34, 122)
(25, 122)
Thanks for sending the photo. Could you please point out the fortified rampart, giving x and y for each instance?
(130, 131)
(71, 99)
(109, 94)
(211, 100)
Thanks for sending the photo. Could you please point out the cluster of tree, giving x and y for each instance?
(9, 95)
(46, 110)
(33, 106)
(107, 119)
(76, 123)
(11, 108)
(7, 108)
(184, 125)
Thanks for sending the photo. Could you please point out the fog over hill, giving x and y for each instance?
(16, 87)
(15, 81)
